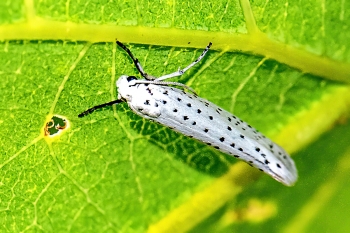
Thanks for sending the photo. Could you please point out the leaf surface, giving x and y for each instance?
(272, 64)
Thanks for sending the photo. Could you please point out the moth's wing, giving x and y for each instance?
(198, 118)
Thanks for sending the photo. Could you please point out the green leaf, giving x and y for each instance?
(272, 64)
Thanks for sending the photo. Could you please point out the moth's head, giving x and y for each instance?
(123, 84)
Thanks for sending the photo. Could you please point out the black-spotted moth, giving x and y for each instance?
(184, 112)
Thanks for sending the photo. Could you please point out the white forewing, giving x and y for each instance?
(198, 118)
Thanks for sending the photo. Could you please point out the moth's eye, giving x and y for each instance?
(130, 78)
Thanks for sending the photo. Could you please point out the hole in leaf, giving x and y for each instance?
(55, 126)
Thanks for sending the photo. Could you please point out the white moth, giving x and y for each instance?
(198, 118)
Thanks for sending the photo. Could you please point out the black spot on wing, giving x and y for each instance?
(149, 90)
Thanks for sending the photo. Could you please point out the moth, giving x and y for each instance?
(185, 112)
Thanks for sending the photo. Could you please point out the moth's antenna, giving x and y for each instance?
(90, 110)
(182, 71)
(135, 60)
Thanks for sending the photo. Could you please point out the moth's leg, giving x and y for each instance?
(182, 71)
(162, 83)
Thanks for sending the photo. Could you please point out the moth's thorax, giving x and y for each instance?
(143, 99)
